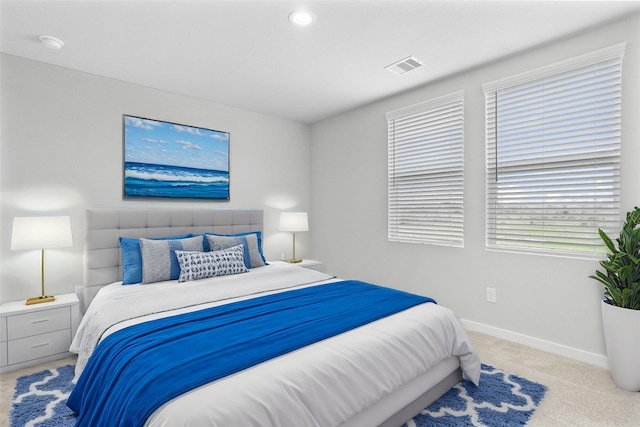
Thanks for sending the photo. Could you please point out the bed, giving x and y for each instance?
(390, 362)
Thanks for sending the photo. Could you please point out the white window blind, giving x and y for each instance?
(426, 172)
(553, 156)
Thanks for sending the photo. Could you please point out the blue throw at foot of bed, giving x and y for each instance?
(136, 370)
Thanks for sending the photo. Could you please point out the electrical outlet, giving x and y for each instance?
(282, 256)
(492, 295)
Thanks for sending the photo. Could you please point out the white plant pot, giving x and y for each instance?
(622, 338)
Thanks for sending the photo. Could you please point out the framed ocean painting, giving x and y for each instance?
(164, 159)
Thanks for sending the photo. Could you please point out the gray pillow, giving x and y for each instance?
(252, 256)
(159, 261)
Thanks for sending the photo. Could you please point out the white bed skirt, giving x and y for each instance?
(395, 402)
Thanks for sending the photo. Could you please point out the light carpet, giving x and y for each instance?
(501, 400)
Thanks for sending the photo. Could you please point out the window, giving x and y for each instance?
(426, 172)
(553, 156)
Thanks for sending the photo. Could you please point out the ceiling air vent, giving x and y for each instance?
(404, 65)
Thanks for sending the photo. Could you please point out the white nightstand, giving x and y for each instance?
(312, 264)
(306, 263)
(33, 334)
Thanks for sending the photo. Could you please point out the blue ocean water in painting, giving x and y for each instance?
(149, 180)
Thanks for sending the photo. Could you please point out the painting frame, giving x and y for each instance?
(164, 159)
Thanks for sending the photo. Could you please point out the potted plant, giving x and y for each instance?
(621, 302)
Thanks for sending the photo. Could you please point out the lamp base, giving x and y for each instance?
(38, 300)
(294, 261)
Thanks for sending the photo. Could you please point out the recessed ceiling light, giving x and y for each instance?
(302, 18)
(51, 42)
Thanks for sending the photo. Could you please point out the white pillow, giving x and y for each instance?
(200, 265)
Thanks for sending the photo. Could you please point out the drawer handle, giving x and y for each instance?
(40, 345)
(39, 321)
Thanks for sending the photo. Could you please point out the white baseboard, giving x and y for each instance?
(543, 345)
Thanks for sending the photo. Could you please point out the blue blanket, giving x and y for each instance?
(136, 370)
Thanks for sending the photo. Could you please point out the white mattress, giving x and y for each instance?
(329, 383)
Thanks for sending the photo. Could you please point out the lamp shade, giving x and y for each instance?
(41, 232)
(294, 221)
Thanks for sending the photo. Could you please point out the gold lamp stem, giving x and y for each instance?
(42, 271)
(294, 260)
(294, 246)
(43, 297)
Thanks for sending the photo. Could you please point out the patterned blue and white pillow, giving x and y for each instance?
(159, 260)
(200, 265)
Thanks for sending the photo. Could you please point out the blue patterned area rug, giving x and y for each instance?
(501, 400)
(40, 399)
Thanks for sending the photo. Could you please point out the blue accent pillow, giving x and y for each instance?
(259, 260)
(252, 256)
(132, 260)
(159, 261)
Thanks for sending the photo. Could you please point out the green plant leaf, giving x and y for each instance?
(607, 241)
(621, 276)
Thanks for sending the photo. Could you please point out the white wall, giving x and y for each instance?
(61, 152)
(545, 301)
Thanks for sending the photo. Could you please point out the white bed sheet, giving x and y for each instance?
(117, 306)
(325, 384)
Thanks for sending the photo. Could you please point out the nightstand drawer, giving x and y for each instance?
(39, 346)
(3, 329)
(3, 354)
(38, 322)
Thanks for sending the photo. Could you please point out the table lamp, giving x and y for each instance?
(41, 232)
(294, 222)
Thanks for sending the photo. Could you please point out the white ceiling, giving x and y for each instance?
(246, 54)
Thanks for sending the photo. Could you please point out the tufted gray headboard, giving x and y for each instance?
(102, 256)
